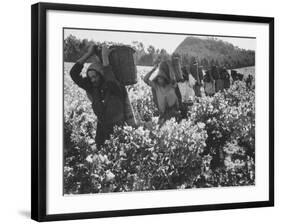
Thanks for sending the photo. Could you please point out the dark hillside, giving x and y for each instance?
(213, 51)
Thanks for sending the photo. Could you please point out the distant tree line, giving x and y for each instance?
(206, 52)
(74, 48)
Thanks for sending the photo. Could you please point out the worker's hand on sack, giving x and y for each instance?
(105, 55)
(91, 51)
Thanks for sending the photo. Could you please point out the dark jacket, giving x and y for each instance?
(108, 99)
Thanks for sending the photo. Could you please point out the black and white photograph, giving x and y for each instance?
(139, 111)
(151, 111)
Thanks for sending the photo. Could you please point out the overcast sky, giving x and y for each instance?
(166, 41)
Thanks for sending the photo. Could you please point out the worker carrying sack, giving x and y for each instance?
(172, 69)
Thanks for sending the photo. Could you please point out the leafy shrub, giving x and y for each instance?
(214, 147)
(230, 124)
(142, 159)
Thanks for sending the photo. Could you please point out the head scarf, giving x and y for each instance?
(171, 72)
(96, 65)
(163, 72)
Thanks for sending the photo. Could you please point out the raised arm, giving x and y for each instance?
(146, 78)
(75, 71)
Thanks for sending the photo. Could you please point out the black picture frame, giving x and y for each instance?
(38, 108)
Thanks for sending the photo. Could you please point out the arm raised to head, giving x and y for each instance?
(75, 72)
